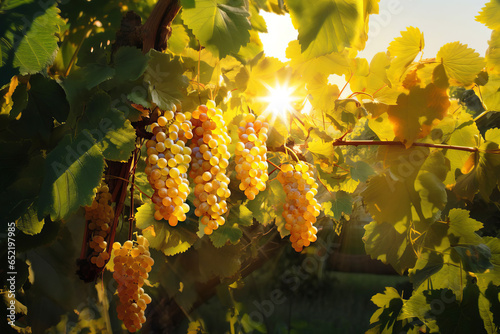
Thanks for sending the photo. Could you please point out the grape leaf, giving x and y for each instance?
(394, 207)
(221, 26)
(29, 222)
(429, 184)
(384, 243)
(220, 262)
(361, 171)
(405, 49)
(330, 25)
(493, 52)
(390, 305)
(336, 207)
(114, 134)
(72, 170)
(226, 233)
(492, 276)
(415, 112)
(489, 15)
(475, 258)
(19, 195)
(241, 215)
(179, 39)
(460, 63)
(130, 63)
(28, 43)
(170, 240)
(46, 102)
(166, 82)
(268, 204)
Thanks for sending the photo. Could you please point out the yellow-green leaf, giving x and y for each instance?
(490, 15)
(405, 49)
(461, 63)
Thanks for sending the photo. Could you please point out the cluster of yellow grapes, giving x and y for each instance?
(132, 263)
(250, 155)
(208, 168)
(167, 165)
(301, 208)
(99, 217)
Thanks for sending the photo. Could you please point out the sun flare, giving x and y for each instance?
(279, 100)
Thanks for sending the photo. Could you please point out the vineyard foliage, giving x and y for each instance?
(415, 146)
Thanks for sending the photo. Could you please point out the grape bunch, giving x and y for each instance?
(132, 263)
(301, 208)
(210, 159)
(167, 165)
(250, 155)
(99, 216)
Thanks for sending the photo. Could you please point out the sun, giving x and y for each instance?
(279, 100)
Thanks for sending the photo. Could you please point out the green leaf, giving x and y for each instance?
(28, 43)
(329, 25)
(489, 15)
(475, 258)
(461, 63)
(342, 204)
(179, 39)
(394, 207)
(170, 240)
(492, 276)
(321, 147)
(493, 52)
(166, 82)
(19, 195)
(463, 227)
(390, 305)
(361, 171)
(219, 262)
(405, 49)
(114, 134)
(72, 170)
(95, 74)
(130, 63)
(429, 184)
(268, 204)
(221, 26)
(240, 215)
(384, 243)
(226, 233)
(29, 222)
(46, 102)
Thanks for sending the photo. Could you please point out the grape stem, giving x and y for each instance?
(342, 142)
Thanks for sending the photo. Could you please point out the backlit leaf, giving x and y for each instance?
(461, 63)
(221, 26)
(342, 204)
(490, 15)
(330, 25)
(405, 49)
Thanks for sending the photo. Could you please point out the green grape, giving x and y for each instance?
(132, 263)
(301, 208)
(251, 155)
(210, 159)
(167, 165)
(99, 216)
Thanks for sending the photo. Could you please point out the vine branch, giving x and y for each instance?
(342, 142)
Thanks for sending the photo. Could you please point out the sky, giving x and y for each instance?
(441, 21)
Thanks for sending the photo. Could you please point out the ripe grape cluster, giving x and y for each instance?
(210, 159)
(250, 155)
(132, 263)
(301, 208)
(99, 217)
(167, 165)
